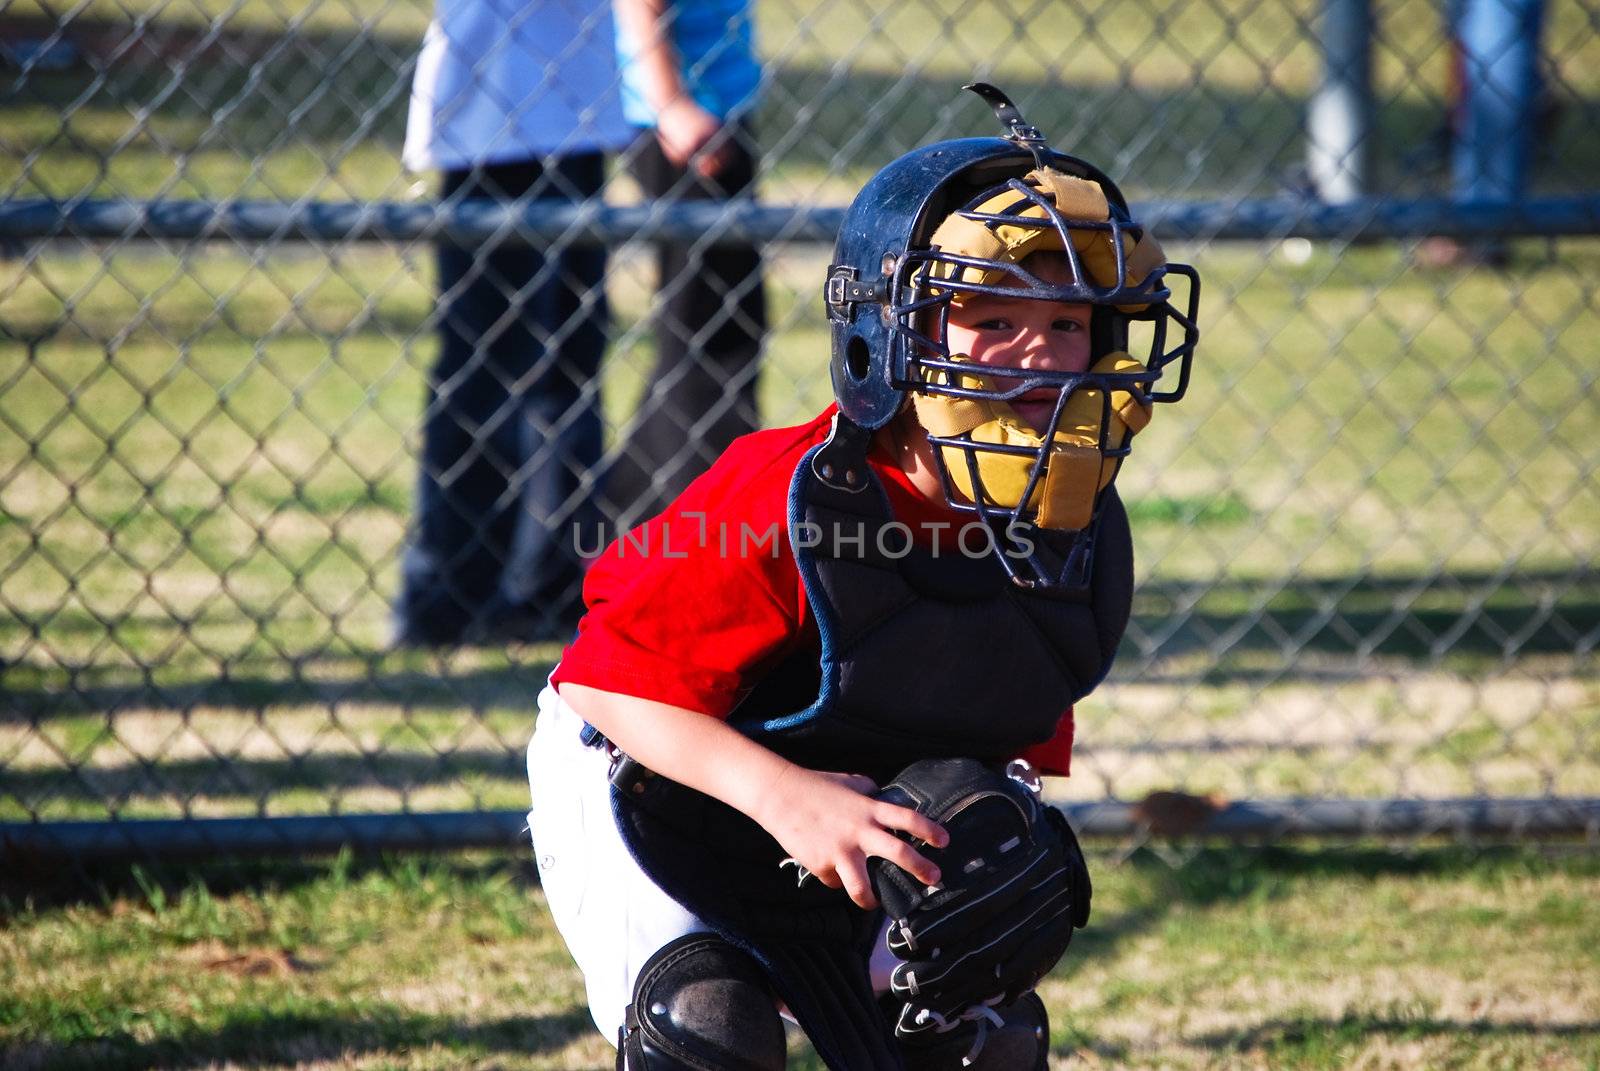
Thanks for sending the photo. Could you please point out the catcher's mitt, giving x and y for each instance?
(1014, 886)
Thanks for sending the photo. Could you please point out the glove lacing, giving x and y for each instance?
(982, 1014)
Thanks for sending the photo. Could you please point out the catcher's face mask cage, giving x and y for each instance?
(1128, 305)
(957, 219)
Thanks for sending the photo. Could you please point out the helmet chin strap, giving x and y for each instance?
(993, 458)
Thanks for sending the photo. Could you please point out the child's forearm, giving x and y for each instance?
(692, 749)
(686, 132)
(645, 22)
(825, 821)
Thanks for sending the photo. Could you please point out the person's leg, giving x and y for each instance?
(711, 320)
(612, 917)
(471, 443)
(1500, 56)
(559, 425)
(659, 982)
(1499, 70)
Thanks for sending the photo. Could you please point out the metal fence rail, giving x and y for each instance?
(742, 224)
(1367, 598)
(43, 845)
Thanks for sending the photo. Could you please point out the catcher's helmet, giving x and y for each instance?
(961, 218)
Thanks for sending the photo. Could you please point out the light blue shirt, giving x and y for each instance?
(504, 80)
(715, 42)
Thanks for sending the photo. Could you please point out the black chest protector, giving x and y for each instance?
(929, 650)
(926, 651)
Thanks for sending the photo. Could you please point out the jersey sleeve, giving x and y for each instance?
(696, 605)
(1054, 756)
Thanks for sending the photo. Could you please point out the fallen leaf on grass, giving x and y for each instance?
(260, 963)
(251, 962)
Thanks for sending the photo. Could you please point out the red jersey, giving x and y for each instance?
(695, 606)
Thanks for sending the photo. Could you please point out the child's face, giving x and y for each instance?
(1047, 336)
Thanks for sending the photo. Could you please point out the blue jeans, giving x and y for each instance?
(1500, 81)
(512, 424)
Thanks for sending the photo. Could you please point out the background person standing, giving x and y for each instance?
(1499, 115)
(690, 81)
(515, 102)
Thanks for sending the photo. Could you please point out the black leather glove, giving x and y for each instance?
(1014, 887)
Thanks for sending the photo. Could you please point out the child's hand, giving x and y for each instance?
(829, 824)
(692, 138)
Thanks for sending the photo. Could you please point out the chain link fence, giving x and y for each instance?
(1367, 594)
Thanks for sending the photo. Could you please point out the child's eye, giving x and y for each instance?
(996, 324)
(1067, 325)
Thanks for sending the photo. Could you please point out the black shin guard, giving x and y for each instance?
(700, 1004)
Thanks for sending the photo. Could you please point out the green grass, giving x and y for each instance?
(1281, 958)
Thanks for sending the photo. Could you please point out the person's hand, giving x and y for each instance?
(689, 137)
(830, 825)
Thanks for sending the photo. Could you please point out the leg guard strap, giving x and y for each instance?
(1012, 1037)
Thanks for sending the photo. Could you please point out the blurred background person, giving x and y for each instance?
(690, 81)
(516, 102)
(1498, 114)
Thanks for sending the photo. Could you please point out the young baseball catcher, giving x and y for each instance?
(910, 591)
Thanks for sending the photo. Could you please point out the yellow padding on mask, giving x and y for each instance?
(1075, 199)
(951, 416)
(1076, 469)
(1146, 257)
(1067, 503)
(1080, 420)
(1064, 497)
(943, 415)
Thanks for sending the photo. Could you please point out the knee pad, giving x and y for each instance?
(1011, 1037)
(700, 1004)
